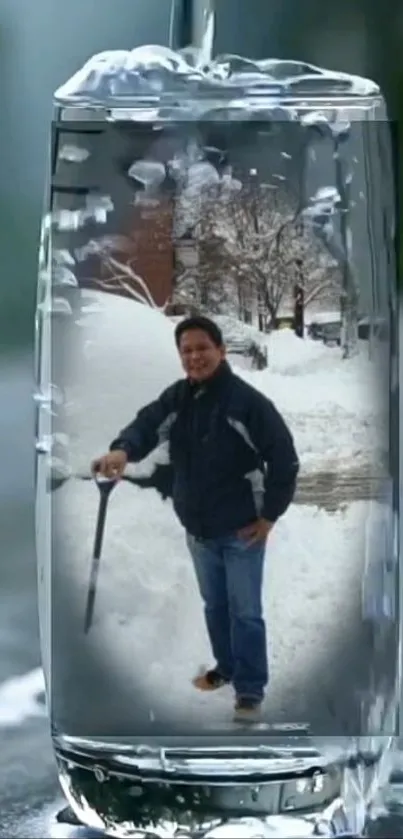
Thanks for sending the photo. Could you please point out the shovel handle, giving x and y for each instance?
(105, 485)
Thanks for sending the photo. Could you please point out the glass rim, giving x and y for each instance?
(150, 111)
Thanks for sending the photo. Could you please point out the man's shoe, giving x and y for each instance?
(247, 710)
(210, 680)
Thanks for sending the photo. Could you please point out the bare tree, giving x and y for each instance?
(116, 265)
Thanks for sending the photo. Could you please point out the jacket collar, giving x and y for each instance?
(219, 378)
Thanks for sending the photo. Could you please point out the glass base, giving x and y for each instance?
(134, 791)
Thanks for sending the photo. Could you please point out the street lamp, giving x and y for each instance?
(299, 300)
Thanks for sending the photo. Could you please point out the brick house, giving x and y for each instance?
(145, 237)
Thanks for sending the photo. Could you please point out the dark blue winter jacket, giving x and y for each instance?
(233, 457)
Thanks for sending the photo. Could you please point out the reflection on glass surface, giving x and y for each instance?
(227, 609)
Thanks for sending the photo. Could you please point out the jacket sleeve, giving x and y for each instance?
(275, 445)
(149, 428)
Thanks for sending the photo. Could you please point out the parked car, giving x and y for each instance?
(328, 331)
(242, 339)
(332, 334)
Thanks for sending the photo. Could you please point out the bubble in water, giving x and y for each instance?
(73, 154)
(323, 204)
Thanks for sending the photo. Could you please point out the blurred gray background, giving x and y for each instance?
(41, 44)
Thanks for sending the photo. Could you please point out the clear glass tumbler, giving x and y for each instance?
(217, 415)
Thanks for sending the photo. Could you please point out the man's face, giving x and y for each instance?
(199, 354)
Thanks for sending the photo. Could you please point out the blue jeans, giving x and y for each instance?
(230, 574)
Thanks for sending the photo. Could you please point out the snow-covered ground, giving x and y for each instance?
(126, 351)
(19, 698)
(333, 406)
(149, 619)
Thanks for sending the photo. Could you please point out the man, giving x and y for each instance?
(234, 473)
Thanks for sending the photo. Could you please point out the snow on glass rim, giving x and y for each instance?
(121, 78)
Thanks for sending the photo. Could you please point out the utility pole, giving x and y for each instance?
(260, 300)
(348, 296)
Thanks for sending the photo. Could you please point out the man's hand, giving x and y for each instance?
(258, 531)
(111, 465)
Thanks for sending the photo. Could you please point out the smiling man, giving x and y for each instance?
(234, 474)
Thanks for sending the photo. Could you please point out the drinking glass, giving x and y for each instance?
(258, 194)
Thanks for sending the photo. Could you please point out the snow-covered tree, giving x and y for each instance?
(248, 242)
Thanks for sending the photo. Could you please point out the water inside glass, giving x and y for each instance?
(258, 195)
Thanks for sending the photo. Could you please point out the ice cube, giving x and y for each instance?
(50, 395)
(150, 173)
(201, 176)
(118, 76)
(62, 256)
(73, 154)
(145, 70)
(63, 276)
(55, 306)
(97, 208)
(226, 66)
(66, 220)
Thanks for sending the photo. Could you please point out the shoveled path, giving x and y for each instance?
(332, 489)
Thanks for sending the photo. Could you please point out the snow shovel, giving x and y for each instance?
(105, 486)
